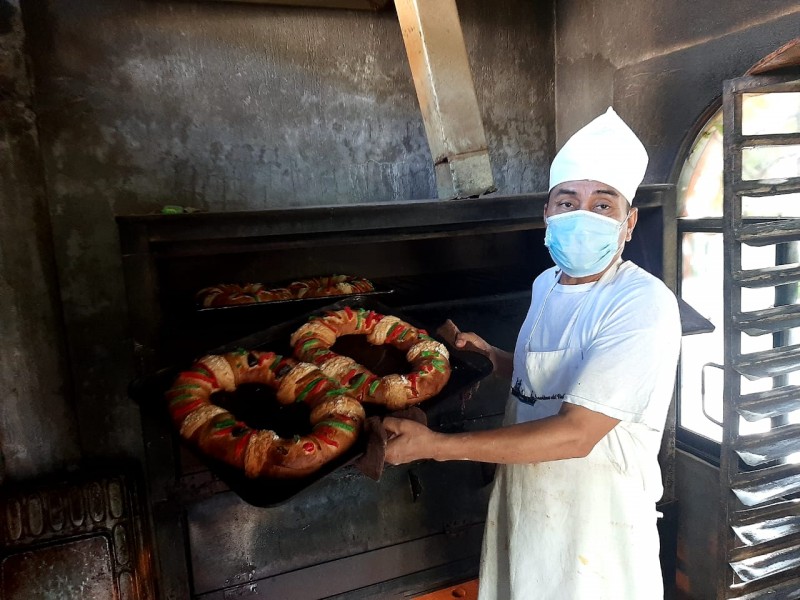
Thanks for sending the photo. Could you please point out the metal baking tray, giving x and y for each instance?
(468, 369)
(307, 303)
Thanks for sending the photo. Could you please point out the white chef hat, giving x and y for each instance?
(604, 150)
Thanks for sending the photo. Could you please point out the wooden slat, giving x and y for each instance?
(769, 363)
(768, 277)
(770, 403)
(758, 487)
(768, 320)
(770, 232)
(764, 187)
(772, 445)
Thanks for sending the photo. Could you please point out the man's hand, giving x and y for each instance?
(502, 361)
(474, 343)
(408, 441)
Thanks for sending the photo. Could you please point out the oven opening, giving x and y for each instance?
(257, 406)
(382, 360)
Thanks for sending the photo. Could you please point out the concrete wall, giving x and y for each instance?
(38, 432)
(133, 104)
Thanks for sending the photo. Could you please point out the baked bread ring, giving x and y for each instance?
(231, 294)
(430, 360)
(336, 417)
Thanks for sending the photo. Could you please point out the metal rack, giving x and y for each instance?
(759, 482)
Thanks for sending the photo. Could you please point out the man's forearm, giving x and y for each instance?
(572, 433)
(526, 443)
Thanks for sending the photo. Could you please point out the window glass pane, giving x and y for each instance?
(793, 338)
(786, 205)
(764, 114)
(700, 182)
(751, 299)
(748, 428)
(757, 257)
(700, 195)
(701, 287)
(770, 162)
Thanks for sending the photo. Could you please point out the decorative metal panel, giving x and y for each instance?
(81, 537)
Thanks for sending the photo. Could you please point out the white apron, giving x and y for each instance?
(575, 529)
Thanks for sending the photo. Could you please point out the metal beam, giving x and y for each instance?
(439, 65)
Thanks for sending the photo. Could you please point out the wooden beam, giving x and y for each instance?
(439, 65)
(349, 4)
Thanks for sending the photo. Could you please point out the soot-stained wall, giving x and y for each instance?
(221, 107)
(38, 432)
(660, 64)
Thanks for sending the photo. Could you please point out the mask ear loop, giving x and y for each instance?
(629, 232)
(541, 310)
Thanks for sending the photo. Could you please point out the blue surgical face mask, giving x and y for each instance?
(582, 243)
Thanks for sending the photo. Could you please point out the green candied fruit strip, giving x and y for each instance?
(275, 362)
(428, 353)
(359, 317)
(402, 335)
(337, 392)
(309, 343)
(240, 351)
(186, 386)
(424, 336)
(337, 424)
(225, 423)
(202, 371)
(311, 385)
(180, 398)
(438, 365)
(374, 386)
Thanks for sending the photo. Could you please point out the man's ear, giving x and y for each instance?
(633, 217)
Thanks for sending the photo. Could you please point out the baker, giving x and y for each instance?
(572, 512)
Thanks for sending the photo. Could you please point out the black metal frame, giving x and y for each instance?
(753, 467)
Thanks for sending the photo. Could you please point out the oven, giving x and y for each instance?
(417, 529)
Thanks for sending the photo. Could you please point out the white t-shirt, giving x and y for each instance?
(628, 330)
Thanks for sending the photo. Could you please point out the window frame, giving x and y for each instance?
(687, 440)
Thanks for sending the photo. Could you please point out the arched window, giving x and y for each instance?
(700, 229)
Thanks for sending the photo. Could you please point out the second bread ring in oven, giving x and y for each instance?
(429, 359)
